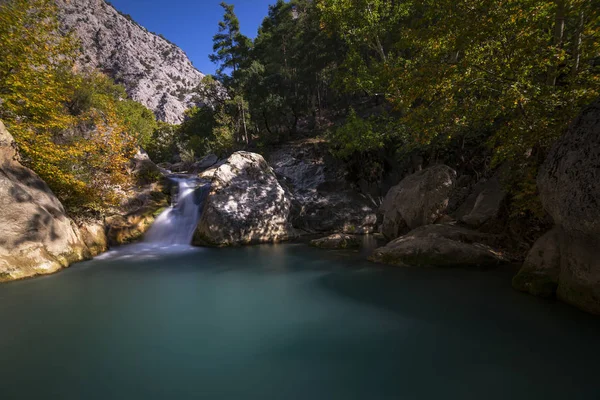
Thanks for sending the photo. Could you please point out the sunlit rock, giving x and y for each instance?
(246, 204)
(36, 236)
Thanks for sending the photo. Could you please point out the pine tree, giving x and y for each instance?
(230, 46)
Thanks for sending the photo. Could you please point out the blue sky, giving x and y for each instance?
(191, 24)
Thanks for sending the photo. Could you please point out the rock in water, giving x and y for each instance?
(154, 71)
(36, 236)
(441, 246)
(569, 185)
(246, 204)
(541, 269)
(419, 199)
(337, 241)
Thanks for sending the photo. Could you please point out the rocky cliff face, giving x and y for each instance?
(566, 261)
(154, 71)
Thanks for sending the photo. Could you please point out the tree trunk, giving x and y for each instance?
(577, 45)
(559, 30)
(245, 137)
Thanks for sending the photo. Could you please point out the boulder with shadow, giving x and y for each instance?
(322, 198)
(419, 199)
(246, 204)
(566, 261)
(36, 236)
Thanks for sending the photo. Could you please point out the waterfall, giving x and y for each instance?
(176, 225)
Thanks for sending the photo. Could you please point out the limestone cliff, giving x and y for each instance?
(154, 71)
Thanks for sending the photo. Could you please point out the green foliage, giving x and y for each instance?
(139, 121)
(163, 143)
(518, 71)
(357, 136)
(188, 156)
(230, 46)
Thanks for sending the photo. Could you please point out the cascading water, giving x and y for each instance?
(176, 225)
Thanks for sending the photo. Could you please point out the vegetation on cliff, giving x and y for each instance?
(76, 129)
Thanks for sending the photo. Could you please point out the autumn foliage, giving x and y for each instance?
(75, 129)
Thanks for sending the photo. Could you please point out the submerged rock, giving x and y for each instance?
(441, 246)
(337, 241)
(322, 199)
(246, 204)
(36, 236)
(419, 199)
(569, 185)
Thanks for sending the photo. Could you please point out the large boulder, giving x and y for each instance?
(322, 198)
(441, 246)
(246, 204)
(569, 185)
(36, 236)
(419, 199)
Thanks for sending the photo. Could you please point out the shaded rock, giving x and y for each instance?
(441, 246)
(204, 164)
(345, 212)
(246, 204)
(419, 199)
(487, 204)
(322, 199)
(541, 269)
(337, 241)
(569, 185)
(36, 236)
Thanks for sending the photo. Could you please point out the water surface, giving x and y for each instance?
(286, 322)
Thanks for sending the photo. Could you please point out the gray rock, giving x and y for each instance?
(94, 236)
(569, 185)
(36, 237)
(337, 241)
(541, 269)
(441, 246)
(488, 203)
(207, 162)
(246, 204)
(419, 199)
(322, 199)
(154, 71)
